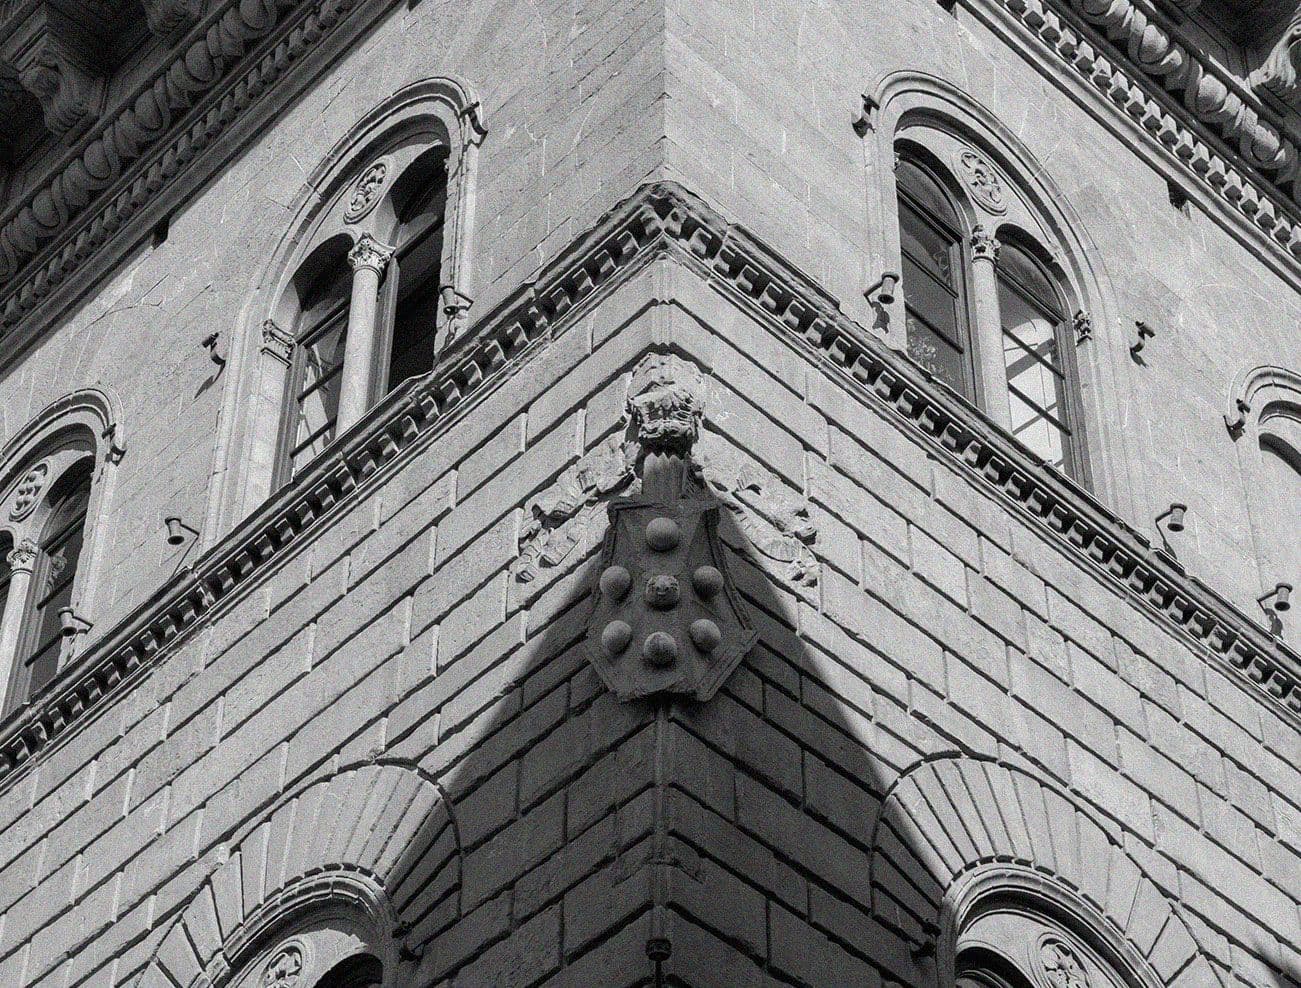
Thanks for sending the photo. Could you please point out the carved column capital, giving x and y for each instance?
(1083, 324)
(369, 254)
(277, 342)
(55, 63)
(22, 557)
(984, 245)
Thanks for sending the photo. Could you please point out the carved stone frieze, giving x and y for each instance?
(138, 147)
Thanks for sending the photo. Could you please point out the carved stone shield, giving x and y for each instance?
(666, 617)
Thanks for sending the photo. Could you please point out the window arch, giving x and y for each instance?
(368, 284)
(53, 480)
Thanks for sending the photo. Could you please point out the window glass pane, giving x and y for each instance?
(318, 395)
(55, 575)
(415, 320)
(1036, 381)
(932, 279)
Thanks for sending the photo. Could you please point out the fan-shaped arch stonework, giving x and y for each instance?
(955, 818)
(377, 840)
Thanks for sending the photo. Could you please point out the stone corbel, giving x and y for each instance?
(1280, 74)
(54, 63)
(166, 16)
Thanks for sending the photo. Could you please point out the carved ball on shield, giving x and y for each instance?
(660, 649)
(707, 581)
(662, 592)
(705, 634)
(663, 534)
(616, 582)
(616, 636)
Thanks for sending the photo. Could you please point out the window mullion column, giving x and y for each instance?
(22, 561)
(987, 330)
(367, 260)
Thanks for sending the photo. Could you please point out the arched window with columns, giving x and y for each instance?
(369, 284)
(985, 307)
(53, 478)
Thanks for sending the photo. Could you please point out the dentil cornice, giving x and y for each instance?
(660, 220)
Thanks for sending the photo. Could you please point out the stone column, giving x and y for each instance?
(22, 560)
(367, 259)
(987, 332)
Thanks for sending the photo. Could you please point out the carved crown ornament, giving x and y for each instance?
(661, 221)
(368, 190)
(982, 182)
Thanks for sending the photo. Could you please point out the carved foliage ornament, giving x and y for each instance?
(368, 190)
(983, 182)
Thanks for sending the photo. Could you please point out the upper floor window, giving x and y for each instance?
(45, 509)
(367, 286)
(986, 311)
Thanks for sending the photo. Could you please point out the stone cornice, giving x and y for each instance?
(659, 219)
(220, 67)
(1133, 54)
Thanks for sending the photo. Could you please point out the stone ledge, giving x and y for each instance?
(659, 219)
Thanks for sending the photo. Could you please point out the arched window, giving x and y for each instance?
(1280, 448)
(934, 274)
(979, 968)
(985, 313)
(1035, 353)
(47, 506)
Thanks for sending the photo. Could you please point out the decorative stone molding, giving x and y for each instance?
(369, 190)
(663, 220)
(1253, 388)
(982, 182)
(1061, 966)
(277, 342)
(22, 557)
(285, 967)
(952, 872)
(1136, 62)
(1082, 323)
(28, 492)
(984, 245)
(140, 147)
(561, 517)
